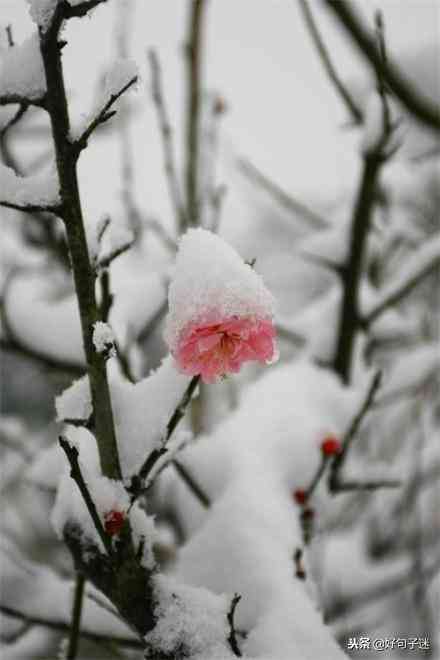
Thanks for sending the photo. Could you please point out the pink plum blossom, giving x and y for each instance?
(213, 350)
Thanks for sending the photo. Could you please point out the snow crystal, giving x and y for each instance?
(41, 12)
(22, 71)
(142, 412)
(75, 402)
(103, 337)
(211, 279)
(41, 189)
(191, 622)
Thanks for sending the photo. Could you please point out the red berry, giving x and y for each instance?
(300, 496)
(113, 521)
(330, 446)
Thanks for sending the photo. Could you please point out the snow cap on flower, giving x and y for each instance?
(220, 312)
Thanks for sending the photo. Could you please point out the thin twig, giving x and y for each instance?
(232, 639)
(419, 265)
(104, 115)
(284, 199)
(353, 108)
(420, 107)
(56, 209)
(167, 140)
(76, 474)
(9, 36)
(151, 460)
(193, 103)
(335, 482)
(72, 649)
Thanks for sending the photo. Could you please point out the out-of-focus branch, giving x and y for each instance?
(192, 484)
(420, 264)
(14, 119)
(8, 99)
(157, 228)
(11, 343)
(383, 590)
(354, 110)
(63, 627)
(56, 209)
(193, 103)
(420, 107)
(72, 648)
(167, 141)
(285, 200)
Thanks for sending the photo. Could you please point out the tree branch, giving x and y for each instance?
(419, 265)
(137, 480)
(193, 486)
(194, 60)
(104, 115)
(232, 639)
(76, 617)
(56, 209)
(63, 627)
(167, 141)
(335, 482)
(349, 319)
(282, 198)
(81, 9)
(76, 474)
(66, 159)
(353, 109)
(420, 107)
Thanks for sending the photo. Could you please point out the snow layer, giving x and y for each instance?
(33, 589)
(191, 621)
(107, 494)
(38, 189)
(249, 466)
(75, 402)
(142, 411)
(103, 337)
(212, 281)
(22, 72)
(41, 12)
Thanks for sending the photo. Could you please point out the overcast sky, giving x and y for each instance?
(283, 113)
